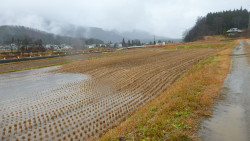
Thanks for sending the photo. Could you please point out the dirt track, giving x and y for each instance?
(119, 85)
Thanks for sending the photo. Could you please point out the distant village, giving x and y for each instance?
(13, 46)
(39, 47)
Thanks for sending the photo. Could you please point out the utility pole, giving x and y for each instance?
(249, 22)
(154, 40)
(248, 30)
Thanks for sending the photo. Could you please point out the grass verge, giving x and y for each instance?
(217, 45)
(176, 113)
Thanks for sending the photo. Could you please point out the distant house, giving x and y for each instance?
(53, 47)
(119, 45)
(65, 47)
(161, 43)
(112, 45)
(234, 32)
(68, 47)
(4, 48)
(13, 47)
(91, 46)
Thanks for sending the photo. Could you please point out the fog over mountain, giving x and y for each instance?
(10, 34)
(105, 35)
(115, 18)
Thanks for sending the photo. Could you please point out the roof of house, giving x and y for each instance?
(234, 30)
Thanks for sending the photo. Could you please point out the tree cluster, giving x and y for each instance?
(135, 42)
(27, 45)
(217, 24)
(93, 41)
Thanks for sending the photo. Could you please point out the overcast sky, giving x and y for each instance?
(168, 18)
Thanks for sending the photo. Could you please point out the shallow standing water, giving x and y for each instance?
(231, 116)
(27, 98)
(29, 82)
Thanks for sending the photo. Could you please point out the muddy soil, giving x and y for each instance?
(117, 86)
(231, 116)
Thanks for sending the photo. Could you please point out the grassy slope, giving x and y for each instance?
(177, 113)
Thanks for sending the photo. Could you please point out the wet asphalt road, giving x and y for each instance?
(231, 116)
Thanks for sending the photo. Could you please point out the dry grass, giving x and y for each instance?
(218, 42)
(176, 113)
(213, 45)
(215, 38)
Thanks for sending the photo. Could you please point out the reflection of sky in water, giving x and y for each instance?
(26, 83)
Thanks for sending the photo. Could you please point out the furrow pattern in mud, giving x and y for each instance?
(118, 86)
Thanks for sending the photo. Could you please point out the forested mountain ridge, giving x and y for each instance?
(106, 35)
(217, 24)
(73, 35)
(11, 34)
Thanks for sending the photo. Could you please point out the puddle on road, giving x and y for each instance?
(230, 120)
(29, 82)
(227, 123)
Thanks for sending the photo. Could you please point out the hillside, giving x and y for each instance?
(10, 33)
(74, 35)
(107, 36)
(89, 32)
(217, 24)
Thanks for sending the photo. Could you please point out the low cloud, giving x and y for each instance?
(169, 18)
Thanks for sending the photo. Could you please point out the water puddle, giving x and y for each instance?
(230, 118)
(27, 83)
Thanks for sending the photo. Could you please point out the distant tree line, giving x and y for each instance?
(129, 43)
(93, 41)
(27, 45)
(217, 24)
(31, 45)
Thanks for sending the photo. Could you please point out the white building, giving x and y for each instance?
(234, 30)
(91, 46)
(119, 45)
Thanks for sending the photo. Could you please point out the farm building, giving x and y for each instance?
(234, 32)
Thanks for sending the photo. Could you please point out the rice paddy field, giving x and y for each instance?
(83, 99)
